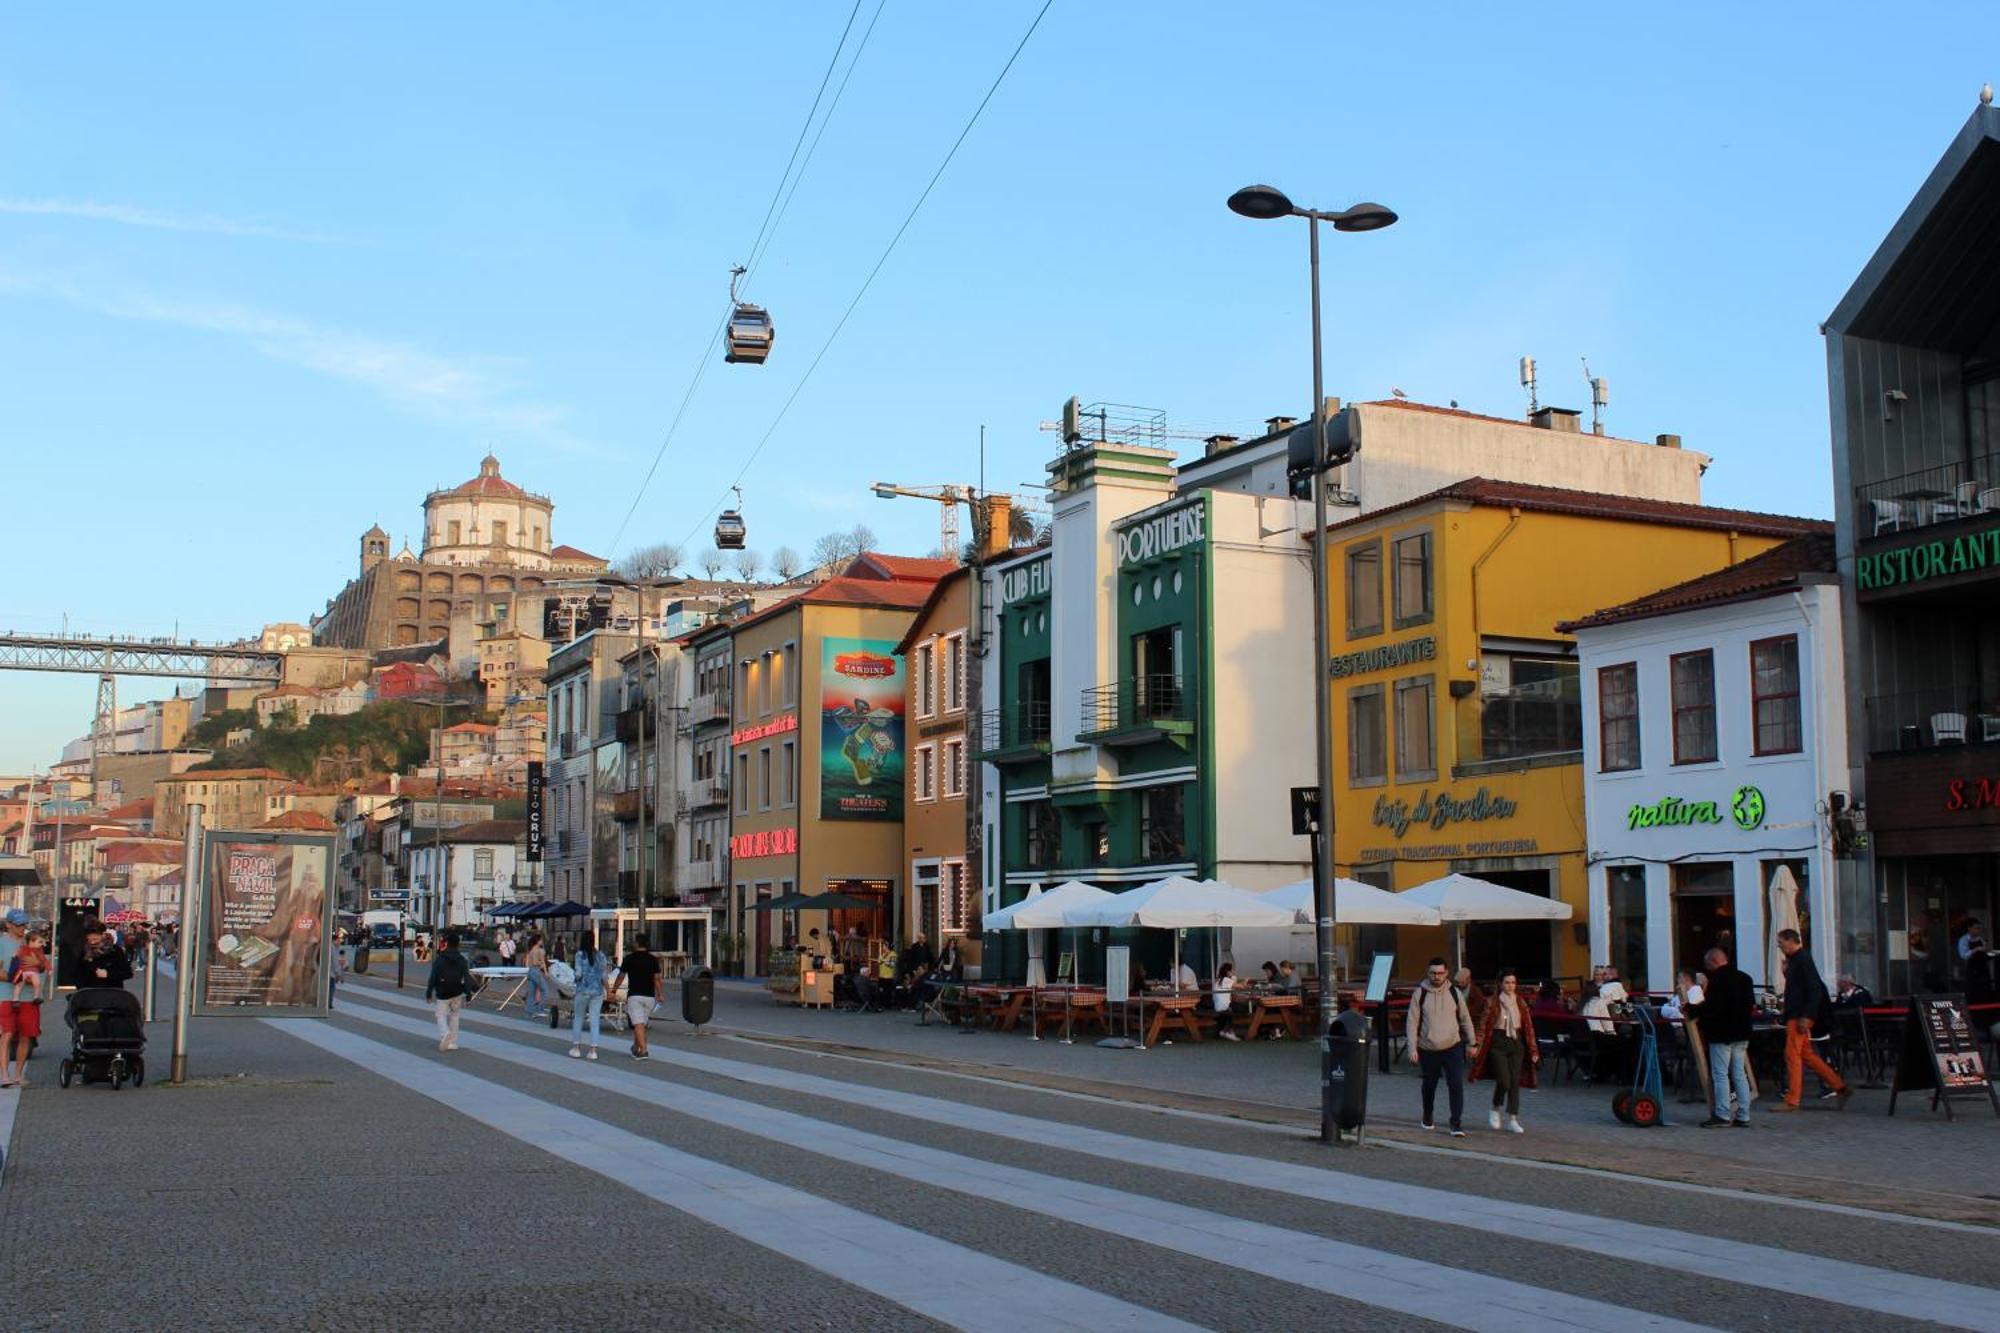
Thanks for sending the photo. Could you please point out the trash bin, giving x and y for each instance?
(698, 996)
(1347, 1069)
(360, 959)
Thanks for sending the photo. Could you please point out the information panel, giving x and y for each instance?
(1941, 1055)
(73, 913)
(266, 923)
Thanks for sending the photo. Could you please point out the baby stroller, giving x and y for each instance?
(107, 1035)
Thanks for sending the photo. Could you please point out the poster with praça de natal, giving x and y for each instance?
(860, 730)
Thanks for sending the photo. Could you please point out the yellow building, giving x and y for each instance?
(1457, 716)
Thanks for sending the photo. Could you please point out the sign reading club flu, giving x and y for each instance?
(1162, 534)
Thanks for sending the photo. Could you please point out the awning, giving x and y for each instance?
(1176, 902)
(1354, 904)
(1045, 911)
(1463, 898)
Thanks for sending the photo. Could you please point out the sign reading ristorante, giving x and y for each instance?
(1920, 562)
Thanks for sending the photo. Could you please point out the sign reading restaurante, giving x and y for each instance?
(1381, 659)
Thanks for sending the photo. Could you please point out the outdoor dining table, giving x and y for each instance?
(1275, 1009)
(1180, 1011)
(1001, 1005)
(1067, 1005)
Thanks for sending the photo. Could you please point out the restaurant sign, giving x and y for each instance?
(775, 727)
(1163, 534)
(1406, 653)
(771, 842)
(1440, 810)
(1920, 562)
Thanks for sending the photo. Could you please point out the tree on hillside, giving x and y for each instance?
(836, 547)
(785, 563)
(713, 562)
(748, 564)
(652, 562)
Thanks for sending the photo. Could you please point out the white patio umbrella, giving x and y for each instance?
(1003, 919)
(1458, 899)
(1784, 913)
(1175, 903)
(1049, 911)
(1354, 904)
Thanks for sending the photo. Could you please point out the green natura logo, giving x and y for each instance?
(1747, 808)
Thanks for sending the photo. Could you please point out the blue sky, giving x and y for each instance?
(268, 274)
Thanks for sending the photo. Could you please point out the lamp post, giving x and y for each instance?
(437, 841)
(1264, 202)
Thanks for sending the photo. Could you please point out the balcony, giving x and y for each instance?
(1926, 719)
(1531, 725)
(1138, 711)
(1016, 734)
(625, 806)
(631, 884)
(1930, 496)
(708, 709)
(709, 793)
(703, 876)
(638, 723)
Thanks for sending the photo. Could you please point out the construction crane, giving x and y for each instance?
(948, 498)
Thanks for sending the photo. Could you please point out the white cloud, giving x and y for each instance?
(129, 215)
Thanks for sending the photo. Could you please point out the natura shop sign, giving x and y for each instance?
(1163, 534)
(1746, 811)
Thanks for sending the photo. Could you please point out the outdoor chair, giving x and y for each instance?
(1947, 728)
(1989, 499)
(1888, 516)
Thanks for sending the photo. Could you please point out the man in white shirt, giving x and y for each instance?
(1185, 979)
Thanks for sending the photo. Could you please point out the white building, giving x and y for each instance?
(1715, 731)
(465, 871)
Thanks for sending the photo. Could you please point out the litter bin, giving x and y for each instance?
(360, 959)
(698, 996)
(1347, 1069)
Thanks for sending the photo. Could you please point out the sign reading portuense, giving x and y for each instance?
(1923, 561)
(1162, 534)
(1381, 659)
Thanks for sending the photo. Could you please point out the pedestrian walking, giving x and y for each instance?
(104, 963)
(1724, 1014)
(339, 972)
(1440, 1034)
(1806, 1001)
(590, 965)
(641, 969)
(1507, 1048)
(506, 948)
(448, 988)
(23, 964)
(536, 960)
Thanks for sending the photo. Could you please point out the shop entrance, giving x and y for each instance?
(1705, 915)
(1526, 945)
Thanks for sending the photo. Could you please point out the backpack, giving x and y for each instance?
(454, 976)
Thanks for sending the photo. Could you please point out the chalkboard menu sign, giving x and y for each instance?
(1941, 1054)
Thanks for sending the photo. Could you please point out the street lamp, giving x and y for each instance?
(1263, 203)
(437, 838)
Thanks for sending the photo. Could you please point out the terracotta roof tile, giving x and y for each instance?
(1807, 559)
(306, 821)
(898, 567)
(141, 853)
(1590, 504)
(572, 553)
(225, 775)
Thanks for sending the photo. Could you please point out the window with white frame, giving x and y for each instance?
(953, 670)
(954, 898)
(482, 863)
(953, 764)
(923, 677)
(924, 775)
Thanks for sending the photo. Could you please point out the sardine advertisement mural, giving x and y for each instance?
(860, 730)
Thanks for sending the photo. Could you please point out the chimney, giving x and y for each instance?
(1279, 425)
(1217, 443)
(1667, 441)
(1564, 420)
(999, 518)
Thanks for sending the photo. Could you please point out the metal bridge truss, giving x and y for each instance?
(139, 657)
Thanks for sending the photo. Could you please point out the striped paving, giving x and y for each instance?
(1859, 1286)
(1455, 1297)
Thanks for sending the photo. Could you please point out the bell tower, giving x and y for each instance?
(374, 548)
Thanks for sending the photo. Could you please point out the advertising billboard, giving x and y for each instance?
(535, 809)
(860, 730)
(266, 923)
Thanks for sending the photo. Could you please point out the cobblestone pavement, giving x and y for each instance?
(347, 1174)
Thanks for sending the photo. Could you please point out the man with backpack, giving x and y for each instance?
(1440, 1037)
(1806, 1004)
(449, 987)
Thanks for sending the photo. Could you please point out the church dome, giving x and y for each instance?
(489, 482)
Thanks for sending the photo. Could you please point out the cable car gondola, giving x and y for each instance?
(729, 529)
(748, 337)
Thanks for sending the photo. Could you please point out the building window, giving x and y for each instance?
(788, 658)
(1163, 824)
(1529, 705)
(1412, 556)
(1097, 842)
(743, 697)
(1627, 898)
(1694, 707)
(953, 777)
(1774, 694)
(743, 788)
(923, 670)
(499, 534)
(1367, 735)
(1044, 830)
(953, 669)
(925, 878)
(954, 898)
(1618, 718)
(924, 772)
(451, 531)
(1416, 746)
(1364, 588)
(764, 683)
(790, 773)
(763, 777)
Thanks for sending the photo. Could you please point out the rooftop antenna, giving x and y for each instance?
(1528, 383)
(1600, 393)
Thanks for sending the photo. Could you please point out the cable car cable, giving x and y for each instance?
(879, 263)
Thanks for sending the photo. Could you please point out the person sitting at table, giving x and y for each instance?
(1288, 978)
(1549, 1001)
(1851, 994)
(1185, 979)
(814, 949)
(1225, 1015)
(1270, 974)
(1687, 991)
(1596, 1009)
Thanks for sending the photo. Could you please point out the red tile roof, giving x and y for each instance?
(843, 591)
(1807, 559)
(305, 821)
(572, 553)
(225, 775)
(921, 569)
(938, 592)
(133, 810)
(1590, 504)
(165, 853)
(487, 830)
(476, 728)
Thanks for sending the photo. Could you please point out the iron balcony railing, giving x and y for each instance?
(1017, 726)
(708, 793)
(1137, 702)
(704, 875)
(1927, 496)
(709, 708)
(1918, 719)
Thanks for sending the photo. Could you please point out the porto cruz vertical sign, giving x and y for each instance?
(534, 809)
(861, 730)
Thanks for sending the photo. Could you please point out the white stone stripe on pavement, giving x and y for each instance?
(1457, 1297)
(947, 1282)
(1858, 1285)
(10, 1104)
